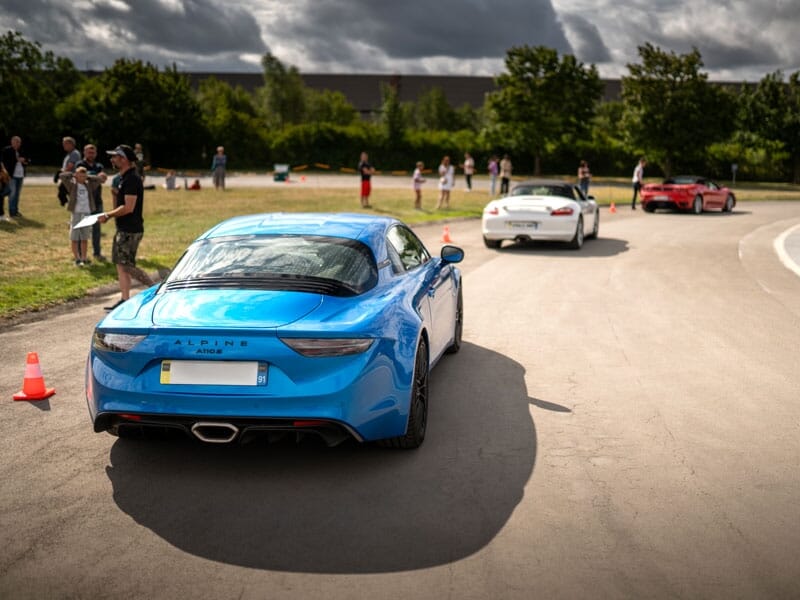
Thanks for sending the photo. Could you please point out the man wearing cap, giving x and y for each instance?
(128, 210)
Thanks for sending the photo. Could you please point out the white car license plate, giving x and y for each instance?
(522, 224)
(664, 198)
(217, 372)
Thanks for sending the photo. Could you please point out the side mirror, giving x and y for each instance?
(590, 197)
(452, 254)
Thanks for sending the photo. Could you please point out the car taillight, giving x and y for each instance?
(115, 342)
(493, 210)
(318, 347)
(562, 212)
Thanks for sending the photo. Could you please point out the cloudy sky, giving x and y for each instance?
(738, 39)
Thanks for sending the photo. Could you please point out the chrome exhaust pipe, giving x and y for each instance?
(214, 433)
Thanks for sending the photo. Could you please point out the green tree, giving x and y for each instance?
(31, 82)
(771, 112)
(671, 113)
(282, 98)
(232, 120)
(135, 102)
(328, 106)
(392, 117)
(542, 100)
(434, 112)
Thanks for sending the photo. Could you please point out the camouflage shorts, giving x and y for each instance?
(123, 252)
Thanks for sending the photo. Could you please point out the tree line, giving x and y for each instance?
(547, 113)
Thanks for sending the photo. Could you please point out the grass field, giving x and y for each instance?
(36, 265)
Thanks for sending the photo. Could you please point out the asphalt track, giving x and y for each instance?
(622, 422)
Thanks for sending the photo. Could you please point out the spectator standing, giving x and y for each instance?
(218, 164)
(94, 167)
(638, 175)
(417, 181)
(139, 163)
(128, 213)
(584, 177)
(14, 164)
(505, 173)
(71, 159)
(494, 171)
(447, 174)
(81, 189)
(469, 169)
(366, 170)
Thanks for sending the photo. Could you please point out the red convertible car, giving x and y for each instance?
(687, 192)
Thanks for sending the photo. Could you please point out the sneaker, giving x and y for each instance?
(5, 218)
(100, 258)
(113, 306)
(78, 262)
(18, 215)
(86, 261)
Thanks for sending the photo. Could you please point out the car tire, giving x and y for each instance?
(729, 202)
(576, 243)
(596, 226)
(697, 205)
(649, 207)
(459, 328)
(493, 244)
(418, 407)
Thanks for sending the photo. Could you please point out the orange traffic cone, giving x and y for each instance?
(446, 235)
(33, 387)
(613, 208)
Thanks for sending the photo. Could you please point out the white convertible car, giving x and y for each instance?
(541, 209)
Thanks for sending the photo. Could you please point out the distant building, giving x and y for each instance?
(364, 91)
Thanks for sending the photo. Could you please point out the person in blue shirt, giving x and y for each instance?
(218, 164)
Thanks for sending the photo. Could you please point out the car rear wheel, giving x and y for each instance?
(649, 207)
(456, 345)
(728, 204)
(697, 205)
(418, 410)
(494, 244)
(577, 240)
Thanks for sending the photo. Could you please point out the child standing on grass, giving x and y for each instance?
(81, 190)
(418, 180)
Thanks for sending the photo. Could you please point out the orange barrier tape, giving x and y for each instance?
(322, 166)
(348, 170)
(300, 168)
(399, 172)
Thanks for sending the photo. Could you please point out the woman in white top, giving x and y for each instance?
(447, 175)
(418, 180)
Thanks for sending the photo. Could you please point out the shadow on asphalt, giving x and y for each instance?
(601, 247)
(353, 508)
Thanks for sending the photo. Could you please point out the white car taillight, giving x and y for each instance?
(317, 347)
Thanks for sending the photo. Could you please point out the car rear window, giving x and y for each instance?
(337, 266)
(542, 190)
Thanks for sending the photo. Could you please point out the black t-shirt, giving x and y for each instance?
(365, 169)
(131, 185)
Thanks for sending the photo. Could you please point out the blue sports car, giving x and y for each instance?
(323, 324)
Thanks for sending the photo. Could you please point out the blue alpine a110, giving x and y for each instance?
(324, 324)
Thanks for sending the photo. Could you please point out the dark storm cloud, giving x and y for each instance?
(196, 31)
(722, 53)
(416, 29)
(589, 46)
